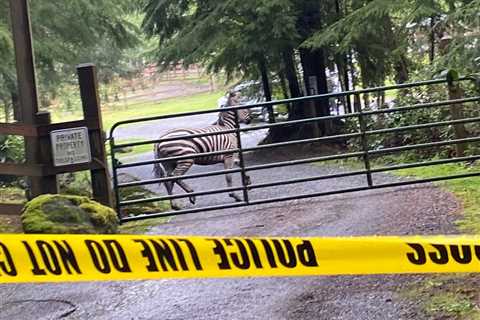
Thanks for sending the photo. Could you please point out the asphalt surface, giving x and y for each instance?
(394, 211)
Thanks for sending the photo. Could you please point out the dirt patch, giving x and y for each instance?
(10, 224)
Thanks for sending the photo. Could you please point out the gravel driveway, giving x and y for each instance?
(395, 211)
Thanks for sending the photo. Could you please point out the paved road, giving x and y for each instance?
(399, 211)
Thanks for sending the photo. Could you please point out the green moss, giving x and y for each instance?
(67, 214)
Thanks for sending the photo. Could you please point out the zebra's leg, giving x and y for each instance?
(228, 163)
(169, 167)
(169, 187)
(248, 181)
(182, 167)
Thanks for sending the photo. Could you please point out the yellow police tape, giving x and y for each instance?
(61, 258)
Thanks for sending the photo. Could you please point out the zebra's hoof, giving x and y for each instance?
(248, 181)
(235, 196)
(175, 206)
(192, 199)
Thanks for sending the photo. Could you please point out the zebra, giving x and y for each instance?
(185, 146)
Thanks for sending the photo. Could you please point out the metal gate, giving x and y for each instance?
(359, 118)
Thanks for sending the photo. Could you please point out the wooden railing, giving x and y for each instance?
(45, 169)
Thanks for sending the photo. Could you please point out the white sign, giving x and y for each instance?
(70, 146)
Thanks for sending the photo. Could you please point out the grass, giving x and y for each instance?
(466, 190)
(130, 151)
(200, 101)
(454, 296)
(141, 226)
(447, 297)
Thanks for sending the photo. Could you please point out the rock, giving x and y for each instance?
(68, 214)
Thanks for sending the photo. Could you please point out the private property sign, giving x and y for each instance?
(70, 146)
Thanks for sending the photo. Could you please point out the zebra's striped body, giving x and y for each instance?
(196, 145)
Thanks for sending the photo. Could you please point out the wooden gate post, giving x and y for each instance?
(27, 93)
(101, 188)
(50, 182)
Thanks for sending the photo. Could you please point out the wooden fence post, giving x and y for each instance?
(50, 184)
(456, 111)
(101, 188)
(27, 92)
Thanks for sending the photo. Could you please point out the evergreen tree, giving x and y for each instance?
(66, 33)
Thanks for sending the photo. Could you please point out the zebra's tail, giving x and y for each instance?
(158, 170)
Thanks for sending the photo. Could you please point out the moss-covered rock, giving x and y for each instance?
(67, 214)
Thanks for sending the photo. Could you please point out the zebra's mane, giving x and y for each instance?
(226, 118)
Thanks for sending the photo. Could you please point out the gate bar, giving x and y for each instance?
(184, 177)
(423, 126)
(424, 145)
(377, 186)
(187, 136)
(299, 99)
(363, 134)
(355, 114)
(301, 196)
(363, 138)
(179, 196)
(186, 211)
(240, 158)
(304, 161)
(193, 156)
(359, 172)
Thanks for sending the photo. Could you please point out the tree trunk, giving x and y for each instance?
(431, 54)
(266, 88)
(315, 78)
(285, 133)
(352, 71)
(401, 70)
(342, 65)
(295, 110)
(341, 62)
(283, 85)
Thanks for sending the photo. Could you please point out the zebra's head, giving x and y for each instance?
(227, 118)
(244, 116)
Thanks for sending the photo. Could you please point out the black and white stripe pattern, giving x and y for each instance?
(196, 145)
